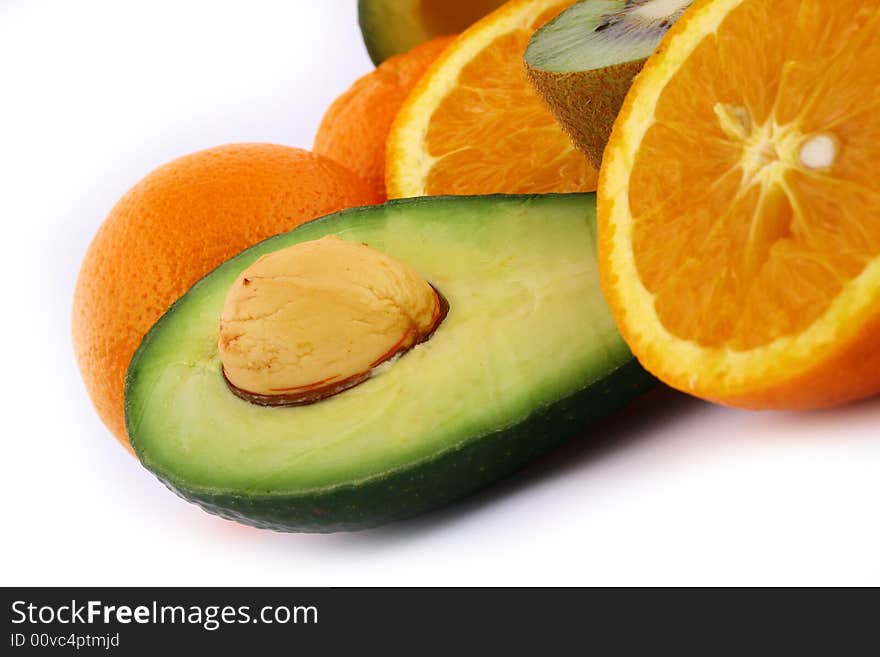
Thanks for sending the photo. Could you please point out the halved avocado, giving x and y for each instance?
(392, 27)
(527, 356)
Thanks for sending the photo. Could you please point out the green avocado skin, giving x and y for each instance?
(388, 28)
(392, 27)
(460, 470)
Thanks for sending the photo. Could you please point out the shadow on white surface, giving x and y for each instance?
(628, 430)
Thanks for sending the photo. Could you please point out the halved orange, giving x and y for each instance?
(739, 210)
(474, 125)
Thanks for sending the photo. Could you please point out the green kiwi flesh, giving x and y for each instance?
(583, 62)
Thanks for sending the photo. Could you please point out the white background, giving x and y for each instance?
(93, 95)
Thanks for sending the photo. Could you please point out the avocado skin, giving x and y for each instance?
(405, 492)
(392, 27)
(367, 18)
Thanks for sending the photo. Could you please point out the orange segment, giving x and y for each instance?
(474, 124)
(740, 224)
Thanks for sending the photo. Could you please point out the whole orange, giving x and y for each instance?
(175, 226)
(355, 127)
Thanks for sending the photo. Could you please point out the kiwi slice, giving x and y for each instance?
(583, 62)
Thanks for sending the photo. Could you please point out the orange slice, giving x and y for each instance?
(739, 213)
(474, 125)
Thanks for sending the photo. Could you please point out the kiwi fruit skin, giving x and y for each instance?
(586, 103)
(587, 98)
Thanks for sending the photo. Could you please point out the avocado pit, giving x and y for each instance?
(307, 322)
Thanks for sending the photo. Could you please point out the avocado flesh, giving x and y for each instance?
(583, 62)
(392, 27)
(526, 356)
